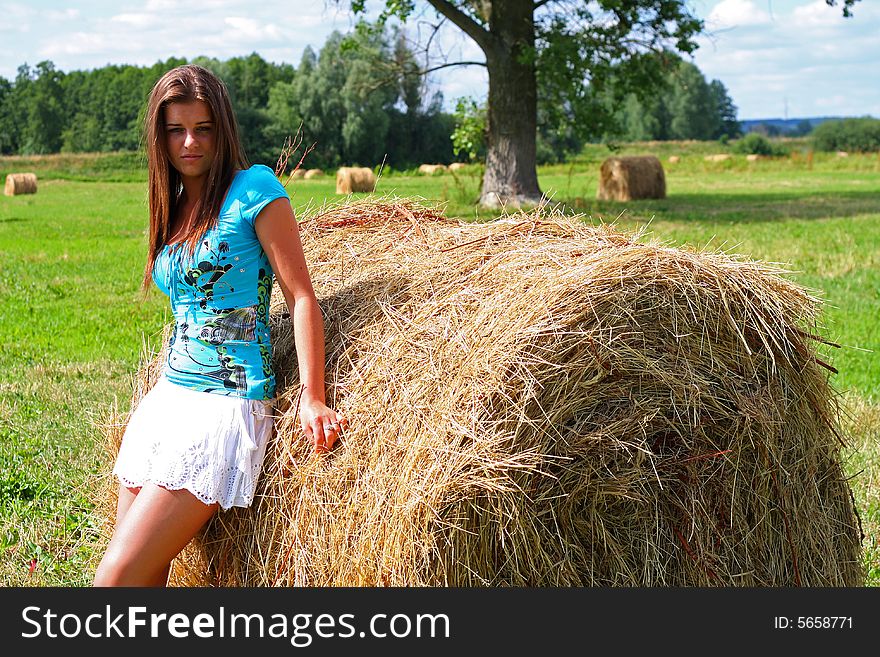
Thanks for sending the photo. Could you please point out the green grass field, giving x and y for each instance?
(74, 327)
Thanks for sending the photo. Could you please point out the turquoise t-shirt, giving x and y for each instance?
(220, 297)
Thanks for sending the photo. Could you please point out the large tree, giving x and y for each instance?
(564, 45)
(565, 48)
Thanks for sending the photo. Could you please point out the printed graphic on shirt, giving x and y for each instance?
(238, 324)
(264, 296)
(220, 297)
(208, 276)
(233, 375)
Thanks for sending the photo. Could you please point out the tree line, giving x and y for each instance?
(687, 106)
(361, 99)
(684, 106)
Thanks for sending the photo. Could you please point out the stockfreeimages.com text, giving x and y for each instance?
(301, 629)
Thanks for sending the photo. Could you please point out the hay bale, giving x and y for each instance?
(298, 173)
(542, 402)
(753, 157)
(842, 154)
(674, 159)
(633, 177)
(718, 157)
(355, 179)
(457, 166)
(20, 183)
(431, 169)
(313, 173)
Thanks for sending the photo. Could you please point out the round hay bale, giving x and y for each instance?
(753, 157)
(457, 166)
(632, 177)
(20, 183)
(674, 159)
(313, 173)
(718, 157)
(432, 169)
(542, 402)
(298, 173)
(842, 154)
(355, 179)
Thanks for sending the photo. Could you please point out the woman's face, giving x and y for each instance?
(190, 136)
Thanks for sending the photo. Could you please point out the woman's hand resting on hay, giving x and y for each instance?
(321, 424)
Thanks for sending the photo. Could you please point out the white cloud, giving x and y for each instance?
(82, 43)
(14, 11)
(815, 14)
(249, 28)
(736, 13)
(200, 6)
(62, 15)
(16, 18)
(303, 22)
(139, 20)
(831, 101)
(161, 5)
(10, 27)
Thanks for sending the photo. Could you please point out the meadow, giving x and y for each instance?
(74, 325)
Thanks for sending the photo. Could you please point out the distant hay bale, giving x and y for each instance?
(20, 183)
(632, 177)
(457, 166)
(674, 159)
(298, 173)
(541, 402)
(431, 169)
(842, 154)
(753, 157)
(313, 173)
(355, 179)
(718, 157)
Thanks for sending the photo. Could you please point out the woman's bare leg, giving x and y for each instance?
(125, 498)
(154, 525)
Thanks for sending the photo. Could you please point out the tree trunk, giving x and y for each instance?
(511, 177)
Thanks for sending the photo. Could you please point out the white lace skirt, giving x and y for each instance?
(211, 445)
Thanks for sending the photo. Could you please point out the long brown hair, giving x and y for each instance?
(185, 84)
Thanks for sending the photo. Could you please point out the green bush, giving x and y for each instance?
(469, 135)
(857, 135)
(756, 144)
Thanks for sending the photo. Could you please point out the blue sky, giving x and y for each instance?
(778, 58)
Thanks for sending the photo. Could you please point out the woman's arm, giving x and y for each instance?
(279, 236)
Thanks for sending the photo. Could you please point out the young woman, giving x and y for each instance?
(218, 231)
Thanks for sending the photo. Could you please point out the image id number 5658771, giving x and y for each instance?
(813, 622)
